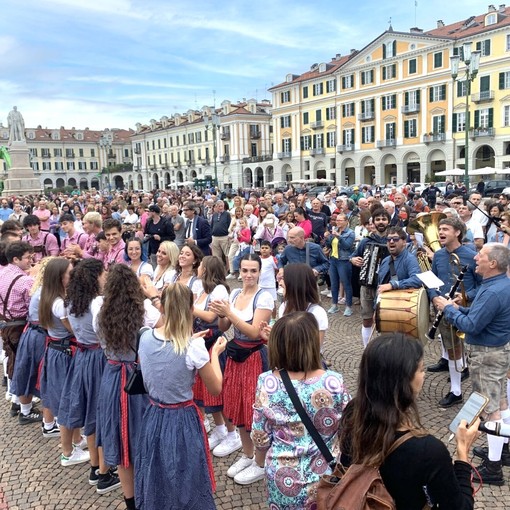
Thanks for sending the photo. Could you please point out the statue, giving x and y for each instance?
(16, 126)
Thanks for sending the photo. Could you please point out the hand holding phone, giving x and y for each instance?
(471, 411)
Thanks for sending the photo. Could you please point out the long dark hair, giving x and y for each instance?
(52, 288)
(197, 252)
(214, 274)
(122, 306)
(300, 288)
(385, 400)
(83, 286)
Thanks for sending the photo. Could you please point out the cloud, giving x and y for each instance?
(134, 82)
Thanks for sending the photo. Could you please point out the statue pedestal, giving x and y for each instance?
(21, 179)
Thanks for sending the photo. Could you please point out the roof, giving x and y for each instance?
(70, 135)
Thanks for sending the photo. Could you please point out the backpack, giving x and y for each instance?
(357, 487)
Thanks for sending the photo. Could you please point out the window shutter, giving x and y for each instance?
(417, 97)
(406, 98)
(406, 129)
(501, 81)
(487, 47)
(343, 137)
(362, 78)
(372, 105)
(431, 94)
(318, 115)
(454, 123)
(491, 117)
(443, 92)
(362, 107)
(384, 51)
(371, 76)
(384, 72)
(442, 123)
(479, 45)
(281, 122)
(394, 43)
(343, 82)
(477, 119)
(459, 89)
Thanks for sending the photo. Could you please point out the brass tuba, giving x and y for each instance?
(428, 225)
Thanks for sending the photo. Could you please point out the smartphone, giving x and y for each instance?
(470, 411)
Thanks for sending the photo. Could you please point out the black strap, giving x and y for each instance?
(5, 301)
(141, 331)
(307, 422)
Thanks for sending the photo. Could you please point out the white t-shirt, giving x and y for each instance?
(219, 293)
(196, 353)
(267, 279)
(264, 302)
(165, 279)
(316, 310)
(475, 228)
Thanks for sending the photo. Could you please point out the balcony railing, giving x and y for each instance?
(366, 116)
(475, 133)
(485, 95)
(317, 152)
(435, 137)
(345, 148)
(317, 124)
(137, 151)
(257, 159)
(224, 159)
(410, 108)
(389, 142)
(225, 135)
(45, 155)
(70, 155)
(284, 155)
(254, 135)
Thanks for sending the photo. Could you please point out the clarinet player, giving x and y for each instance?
(446, 265)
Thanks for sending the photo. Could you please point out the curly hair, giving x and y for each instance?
(122, 305)
(83, 286)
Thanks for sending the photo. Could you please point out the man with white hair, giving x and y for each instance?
(389, 206)
(253, 221)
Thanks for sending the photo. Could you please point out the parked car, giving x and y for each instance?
(506, 191)
(349, 190)
(417, 186)
(495, 187)
(317, 190)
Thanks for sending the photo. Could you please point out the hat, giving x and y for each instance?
(155, 208)
(355, 188)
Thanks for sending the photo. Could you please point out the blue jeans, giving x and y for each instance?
(340, 271)
(237, 259)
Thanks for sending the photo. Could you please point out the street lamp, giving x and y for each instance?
(472, 61)
(105, 142)
(214, 123)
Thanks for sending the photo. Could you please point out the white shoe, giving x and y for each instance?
(251, 474)
(8, 396)
(329, 295)
(216, 438)
(35, 400)
(230, 276)
(230, 444)
(207, 424)
(77, 457)
(239, 465)
(82, 445)
(324, 292)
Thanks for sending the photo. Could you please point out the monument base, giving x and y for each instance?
(21, 179)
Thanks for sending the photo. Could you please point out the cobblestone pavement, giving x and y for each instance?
(31, 476)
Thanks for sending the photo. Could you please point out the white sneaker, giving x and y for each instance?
(230, 444)
(207, 424)
(329, 295)
(324, 292)
(82, 445)
(251, 474)
(216, 438)
(35, 400)
(230, 276)
(77, 457)
(239, 465)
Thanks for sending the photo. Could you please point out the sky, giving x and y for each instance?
(113, 63)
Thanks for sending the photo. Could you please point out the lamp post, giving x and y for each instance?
(214, 123)
(471, 59)
(105, 142)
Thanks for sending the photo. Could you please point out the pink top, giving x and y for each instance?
(44, 216)
(19, 297)
(244, 235)
(306, 225)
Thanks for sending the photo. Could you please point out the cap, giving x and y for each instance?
(355, 188)
(155, 208)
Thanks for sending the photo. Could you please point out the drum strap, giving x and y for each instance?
(392, 273)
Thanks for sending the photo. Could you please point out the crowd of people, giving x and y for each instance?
(162, 264)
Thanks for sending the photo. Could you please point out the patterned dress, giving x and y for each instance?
(294, 464)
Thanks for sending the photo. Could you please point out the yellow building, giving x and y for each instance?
(391, 112)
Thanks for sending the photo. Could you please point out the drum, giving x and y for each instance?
(406, 311)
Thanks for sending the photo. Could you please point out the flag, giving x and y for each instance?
(4, 154)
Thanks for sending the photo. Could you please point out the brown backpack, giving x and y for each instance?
(356, 488)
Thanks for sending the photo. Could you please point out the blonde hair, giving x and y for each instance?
(40, 274)
(172, 250)
(177, 301)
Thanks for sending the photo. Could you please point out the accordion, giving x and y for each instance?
(372, 256)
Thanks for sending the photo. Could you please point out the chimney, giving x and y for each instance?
(440, 23)
(502, 8)
(492, 8)
(416, 30)
(353, 50)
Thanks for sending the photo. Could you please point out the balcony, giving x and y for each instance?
(45, 154)
(60, 171)
(137, 151)
(389, 142)
(319, 124)
(482, 97)
(475, 133)
(205, 161)
(255, 134)
(284, 155)
(366, 116)
(317, 152)
(348, 147)
(434, 137)
(70, 155)
(257, 159)
(111, 155)
(224, 159)
(225, 135)
(410, 108)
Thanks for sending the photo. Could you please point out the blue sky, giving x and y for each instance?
(113, 63)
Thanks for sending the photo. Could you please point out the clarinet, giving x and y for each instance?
(432, 331)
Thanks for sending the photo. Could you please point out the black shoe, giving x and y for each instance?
(15, 409)
(490, 473)
(450, 400)
(34, 416)
(464, 376)
(94, 476)
(4, 381)
(483, 453)
(440, 366)
(53, 432)
(107, 483)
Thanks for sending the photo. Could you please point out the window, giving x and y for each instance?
(389, 102)
(318, 89)
(93, 165)
(412, 66)
(57, 153)
(459, 51)
(69, 153)
(459, 122)
(390, 129)
(306, 142)
(412, 99)
(286, 145)
(46, 165)
(389, 72)
(70, 165)
(410, 128)
(484, 118)
(33, 152)
(461, 88)
(55, 135)
(306, 118)
(506, 116)
(348, 81)
(159, 143)
(331, 139)
(305, 92)
(191, 138)
(164, 143)
(438, 60)
(367, 134)
(331, 86)
(285, 121)
(438, 124)
(92, 153)
(331, 113)
(318, 115)
(80, 152)
(484, 47)
(491, 19)
(198, 137)
(59, 165)
(148, 146)
(368, 107)
(348, 137)
(504, 80)
(508, 42)
(318, 141)
(35, 166)
(367, 77)
(82, 165)
(285, 96)
(389, 49)
(348, 110)
(437, 93)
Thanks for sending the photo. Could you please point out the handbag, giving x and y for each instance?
(134, 384)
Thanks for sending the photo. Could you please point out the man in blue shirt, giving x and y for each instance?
(487, 327)
(5, 210)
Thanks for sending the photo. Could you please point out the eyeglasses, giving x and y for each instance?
(392, 239)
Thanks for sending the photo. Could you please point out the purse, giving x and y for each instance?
(134, 384)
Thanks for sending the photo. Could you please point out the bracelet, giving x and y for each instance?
(153, 298)
(236, 324)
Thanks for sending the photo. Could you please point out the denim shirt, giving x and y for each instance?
(487, 321)
(406, 267)
(345, 243)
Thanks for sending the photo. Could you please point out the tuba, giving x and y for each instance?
(428, 225)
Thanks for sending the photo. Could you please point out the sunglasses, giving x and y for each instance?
(392, 239)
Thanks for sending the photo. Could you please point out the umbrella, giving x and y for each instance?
(445, 173)
(488, 170)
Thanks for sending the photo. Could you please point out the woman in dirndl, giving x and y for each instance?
(120, 415)
(245, 310)
(173, 467)
(81, 388)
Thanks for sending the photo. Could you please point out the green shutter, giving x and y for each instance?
(371, 76)
(477, 119)
(443, 92)
(479, 46)
(362, 78)
(418, 97)
(343, 137)
(454, 123)
(318, 115)
(443, 124)
(406, 129)
(394, 48)
(362, 107)
(372, 104)
(384, 51)
(406, 98)
(431, 94)
(501, 81)
(491, 117)
(384, 72)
